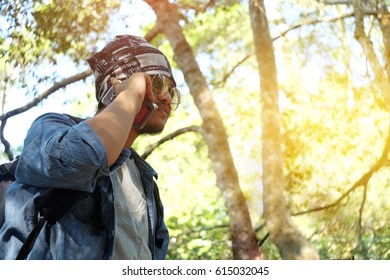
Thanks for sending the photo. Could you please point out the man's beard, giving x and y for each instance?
(150, 129)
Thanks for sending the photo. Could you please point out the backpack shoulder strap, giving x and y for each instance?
(75, 119)
(7, 170)
(52, 206)
(7, 176)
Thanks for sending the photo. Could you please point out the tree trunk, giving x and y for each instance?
(381, 80)
(244, 239)
(289, 241)
(384, 22)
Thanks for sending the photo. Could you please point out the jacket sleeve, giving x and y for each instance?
(58, 152)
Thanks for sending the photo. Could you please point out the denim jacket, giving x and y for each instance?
(61, 153)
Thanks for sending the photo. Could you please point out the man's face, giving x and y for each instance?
(167, 99)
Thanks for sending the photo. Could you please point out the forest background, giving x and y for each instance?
(279, 149)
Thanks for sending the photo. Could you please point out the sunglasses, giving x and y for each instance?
(161, 85)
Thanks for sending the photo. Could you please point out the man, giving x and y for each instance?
(119, 215)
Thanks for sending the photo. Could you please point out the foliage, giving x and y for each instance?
(36, 35)
(44, 29)
(199, 233)
(215, 38)
(334, 130)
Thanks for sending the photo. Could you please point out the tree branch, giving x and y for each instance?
(312, 22)
(229, 73)
(45, 94)
(316, 21)
(360, 225)
(284, 33)
(152, 33)
(345, 2)
(211, 3)
(7, 146)
(178, 132)
(261, 241)
(363, 181)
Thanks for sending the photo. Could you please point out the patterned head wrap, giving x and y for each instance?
(124, 56)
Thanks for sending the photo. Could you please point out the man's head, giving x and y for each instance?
(124, 56)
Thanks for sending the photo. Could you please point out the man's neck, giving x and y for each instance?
(131, 138)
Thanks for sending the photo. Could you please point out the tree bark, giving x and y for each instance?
(289, 241)
(244, 239)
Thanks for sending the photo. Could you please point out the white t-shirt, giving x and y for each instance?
(131, 214)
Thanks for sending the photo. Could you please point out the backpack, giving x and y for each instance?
(52, 205)
(7, 171)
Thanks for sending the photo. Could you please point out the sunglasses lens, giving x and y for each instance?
(175, 94)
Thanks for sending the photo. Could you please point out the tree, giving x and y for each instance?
(244, 240)
(290, 242)
(382, 15)
(328, 118)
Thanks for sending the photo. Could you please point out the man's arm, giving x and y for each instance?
(58, 152)
(114, 123)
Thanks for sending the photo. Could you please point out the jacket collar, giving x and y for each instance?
(142, 165)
